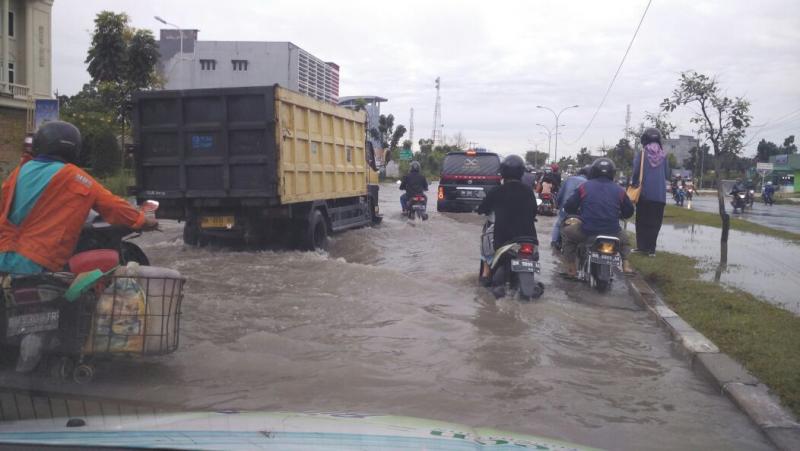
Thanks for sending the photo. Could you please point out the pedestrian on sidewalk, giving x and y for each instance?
(654, 174)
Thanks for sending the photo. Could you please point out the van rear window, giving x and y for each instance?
(471, 165)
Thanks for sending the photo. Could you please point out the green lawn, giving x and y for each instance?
(678, 215)
(762, 337)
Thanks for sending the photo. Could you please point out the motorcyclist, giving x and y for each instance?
(414, 183)
(513, 205)
(45, 201)
(529, 178)
(738, 187)
(570, 185)
(554, 177)
(600, 203)
(769, 192)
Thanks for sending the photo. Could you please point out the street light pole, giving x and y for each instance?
(549, 135)
(557, 116)
(180, 32)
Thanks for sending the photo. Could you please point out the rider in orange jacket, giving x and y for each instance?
(45, 201)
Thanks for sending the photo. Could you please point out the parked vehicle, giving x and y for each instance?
(418, 207)
(547, 205)
(597, 259)
(466, 178)
(513, 265)
(264, 164)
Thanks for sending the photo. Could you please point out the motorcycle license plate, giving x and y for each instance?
(32, 322)
(418, 207)
(607, 259)
(217, 222)
(524, 266)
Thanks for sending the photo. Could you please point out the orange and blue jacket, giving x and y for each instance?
(49, 233)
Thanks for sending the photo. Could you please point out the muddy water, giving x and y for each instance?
(390, 320)
(761, 265)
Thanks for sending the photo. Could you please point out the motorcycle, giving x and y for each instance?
(98, 234)
(750, 198)
(514, 264)
(767, 198)
(547, 206)
(418, 207)
(739, 201)
(679, 197)
(596, 260)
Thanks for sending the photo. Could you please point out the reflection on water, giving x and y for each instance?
(758, 264)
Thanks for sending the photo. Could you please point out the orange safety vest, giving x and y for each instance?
(49, 233)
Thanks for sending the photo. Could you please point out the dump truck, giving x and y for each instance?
(264, 164)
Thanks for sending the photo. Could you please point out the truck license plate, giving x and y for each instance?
(217, 222)
(524, 265)
(32, 322)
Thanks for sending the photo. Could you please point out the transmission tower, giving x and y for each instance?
(436, 134)
(628, 123)
(411, 128)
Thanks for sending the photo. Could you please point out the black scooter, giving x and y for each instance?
(98, 234)
(514, 265)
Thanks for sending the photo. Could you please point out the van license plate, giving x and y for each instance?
(523, 266)
(32, 322)
(217, 222)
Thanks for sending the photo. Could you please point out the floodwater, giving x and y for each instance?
(761, 265)
(391, 321)
(784, 217)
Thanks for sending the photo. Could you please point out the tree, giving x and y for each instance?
(699, 159)
(584, 157)
(565, 162)
(765, 150)
(672, 160)
(788, 145)
(535, 158)
(721, 120)
(659, 120)
(622, 155)
(388, 135)
(95, 119)
(121, 60)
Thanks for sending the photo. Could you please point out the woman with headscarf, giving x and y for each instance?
(653, 197)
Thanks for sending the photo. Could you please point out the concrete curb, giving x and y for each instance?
(747, 392)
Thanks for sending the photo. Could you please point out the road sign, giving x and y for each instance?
(46, 111)
(406, 154)
(764, 168)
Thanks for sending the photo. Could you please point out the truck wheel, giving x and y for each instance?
(316, 232)
(190, 233)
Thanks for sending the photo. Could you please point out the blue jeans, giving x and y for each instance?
(403, 199)
(556, 235)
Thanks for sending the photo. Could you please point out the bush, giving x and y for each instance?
(102, 152)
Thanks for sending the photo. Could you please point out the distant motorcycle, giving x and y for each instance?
(750, 198)
(547, 207)
(739, 201)
(767, 198)
(679, 197)
(514, 265)
(418, 207)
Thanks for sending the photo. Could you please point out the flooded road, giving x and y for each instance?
(761, 265)
(390, 320)
(784, 217)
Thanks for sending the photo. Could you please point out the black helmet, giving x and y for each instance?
(603, 167)
(414, 166)
(584, 171)
(651, 135)
(512, 167)
(59, 140)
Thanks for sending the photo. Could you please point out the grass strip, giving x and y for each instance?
(678, 215)
(762, 337)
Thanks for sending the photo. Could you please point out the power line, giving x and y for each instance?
(770, 124)
(619, 68)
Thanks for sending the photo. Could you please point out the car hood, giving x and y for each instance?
(267, 430)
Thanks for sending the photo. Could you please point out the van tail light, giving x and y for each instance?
(441, 193)
(526, 250)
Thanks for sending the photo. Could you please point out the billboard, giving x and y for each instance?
(46, 110)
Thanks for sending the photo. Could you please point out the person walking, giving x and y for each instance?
(652, 175)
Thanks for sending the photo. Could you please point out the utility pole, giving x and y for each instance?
(549, 135)
(436, 133)
(628, 123)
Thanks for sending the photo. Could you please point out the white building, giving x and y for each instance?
(372, 106)
(25, 70)
(224, 64)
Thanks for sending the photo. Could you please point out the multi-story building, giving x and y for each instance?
(25, 70)
(681, 147)
(224, 64)
(372, 106)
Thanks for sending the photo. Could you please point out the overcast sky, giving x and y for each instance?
(498, 60)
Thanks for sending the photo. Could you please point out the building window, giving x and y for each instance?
(41, 34)
(239, 65)
(208, 64)
(11, 73)
(11, 24)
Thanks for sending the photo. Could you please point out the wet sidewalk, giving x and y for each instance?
(761, 265)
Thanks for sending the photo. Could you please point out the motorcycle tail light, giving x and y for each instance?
(526, 248)
(606, 247)
(441, 193)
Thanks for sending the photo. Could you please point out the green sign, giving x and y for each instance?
(406, 154)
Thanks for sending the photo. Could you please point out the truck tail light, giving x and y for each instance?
(441, 193)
